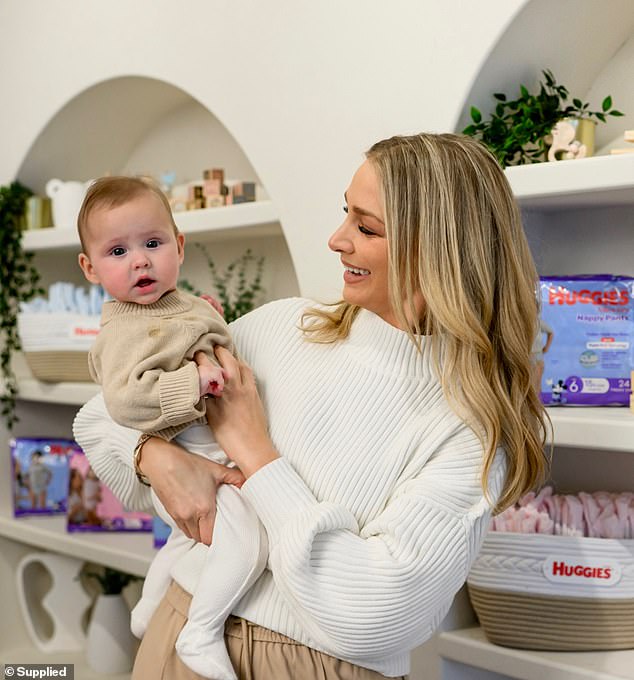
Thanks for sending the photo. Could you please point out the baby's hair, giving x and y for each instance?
(110, 192)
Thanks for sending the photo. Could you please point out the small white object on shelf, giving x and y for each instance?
(67, 198)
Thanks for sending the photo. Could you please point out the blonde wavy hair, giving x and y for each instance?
(454, 233)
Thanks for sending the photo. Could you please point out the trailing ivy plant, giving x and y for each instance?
(517, 129)
(237, 287)
(18, 283)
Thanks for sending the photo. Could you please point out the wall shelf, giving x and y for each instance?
(596, 181)
(72, 393)
(130, 552)
(596, 427)
(469, 646)
(258, 218)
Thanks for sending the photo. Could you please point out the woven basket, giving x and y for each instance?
(59, 366)
(56, 345)
(559, 593)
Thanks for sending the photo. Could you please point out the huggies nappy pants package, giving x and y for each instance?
(591, 355)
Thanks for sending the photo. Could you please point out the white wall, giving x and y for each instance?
(304, 86)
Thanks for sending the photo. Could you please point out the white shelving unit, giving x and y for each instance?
(243, 220)
(469, 647)
(70, 393)
(604, 428)
(129, 552)
(549, 189)
(597, 181)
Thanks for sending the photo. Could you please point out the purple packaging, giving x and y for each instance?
(591, 354)
(93, 507)
(40, 475)
(161, 531)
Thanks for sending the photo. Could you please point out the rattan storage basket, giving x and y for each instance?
(56, 345)
(564, 593)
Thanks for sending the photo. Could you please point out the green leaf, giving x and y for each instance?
(616, 113)
(578, 103)
(606, 104)
(476, 116)
(500, 96)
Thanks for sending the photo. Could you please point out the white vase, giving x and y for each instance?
(53, 619)
(110, 647)
(67, 198)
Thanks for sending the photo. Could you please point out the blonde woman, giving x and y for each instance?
(383, 431)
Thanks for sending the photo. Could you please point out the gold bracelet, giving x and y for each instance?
(137, 459)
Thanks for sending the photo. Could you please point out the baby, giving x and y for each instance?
(154, 358)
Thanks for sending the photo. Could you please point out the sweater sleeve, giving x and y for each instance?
(109, 448)
(368, 592)
(145, 383)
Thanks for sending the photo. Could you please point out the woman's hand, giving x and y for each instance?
(186, 484)
(237, 418)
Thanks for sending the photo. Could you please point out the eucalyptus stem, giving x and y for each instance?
(237, 287)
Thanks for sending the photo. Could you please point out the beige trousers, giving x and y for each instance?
(256, 653)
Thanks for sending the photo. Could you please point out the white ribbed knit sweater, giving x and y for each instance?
(375, 511)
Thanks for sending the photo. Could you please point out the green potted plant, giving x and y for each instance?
(111, 581)
(237, 287)
(19, 283)
(518, 129)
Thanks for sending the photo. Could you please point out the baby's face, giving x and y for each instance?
(133, 251)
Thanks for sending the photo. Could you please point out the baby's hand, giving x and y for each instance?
(211, 380)
(214, 303)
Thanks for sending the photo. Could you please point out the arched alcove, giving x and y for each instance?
(143, 125)
(132, 124)
(583, 42)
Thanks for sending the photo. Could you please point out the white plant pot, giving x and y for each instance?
(67, 198)
(110, 647)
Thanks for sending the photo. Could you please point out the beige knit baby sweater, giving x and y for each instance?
(143, 359)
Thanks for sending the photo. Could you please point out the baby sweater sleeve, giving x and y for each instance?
(149, 380)
(109, 448)
(369, 592)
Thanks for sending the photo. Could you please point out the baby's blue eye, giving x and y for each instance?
(118, 251)
(152, 243)
(345, 209)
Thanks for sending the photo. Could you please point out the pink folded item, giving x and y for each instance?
(599, 515)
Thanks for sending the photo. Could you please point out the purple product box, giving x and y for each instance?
(93, 507)
(592, 350)
(40, 475)
(161, 531)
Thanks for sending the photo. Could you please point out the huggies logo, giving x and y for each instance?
(84, 330)
(561, 296)
(592, 572)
